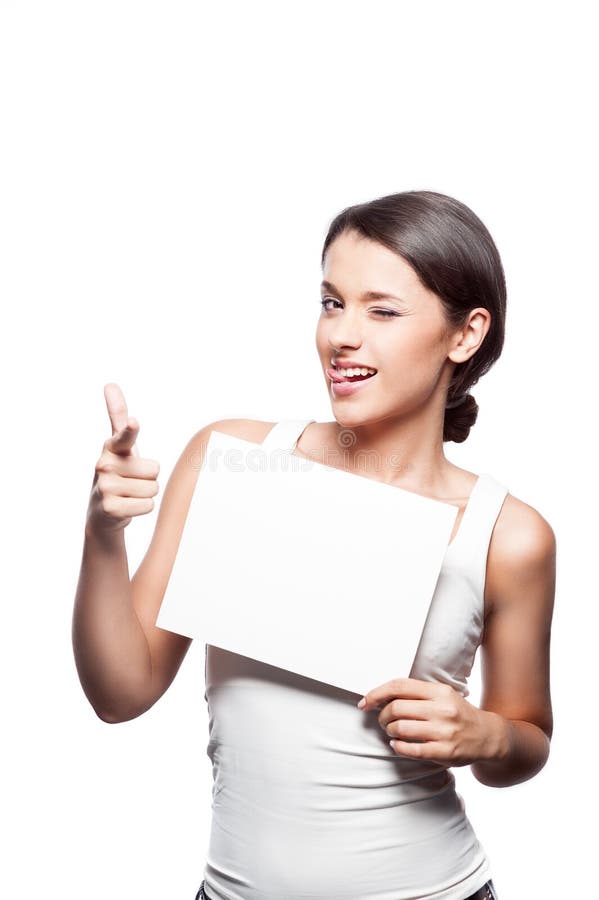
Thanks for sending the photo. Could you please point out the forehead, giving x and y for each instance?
(357, 264)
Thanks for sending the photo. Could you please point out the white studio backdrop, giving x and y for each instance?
(168, 172)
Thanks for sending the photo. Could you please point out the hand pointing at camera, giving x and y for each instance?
(124, 483)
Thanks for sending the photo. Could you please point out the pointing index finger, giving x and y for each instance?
(116, 405)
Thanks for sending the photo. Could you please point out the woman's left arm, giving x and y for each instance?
(506, 739)
(519, 597)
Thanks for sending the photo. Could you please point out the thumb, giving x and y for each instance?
(125, 428)
(125, 440)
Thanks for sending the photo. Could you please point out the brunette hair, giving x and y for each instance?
(454, 256)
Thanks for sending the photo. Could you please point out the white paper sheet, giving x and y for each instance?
(305, 566)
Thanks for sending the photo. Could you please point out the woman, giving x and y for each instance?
(310, 798)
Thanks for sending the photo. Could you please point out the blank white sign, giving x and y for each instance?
(306, 566)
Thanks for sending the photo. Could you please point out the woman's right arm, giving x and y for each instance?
(124, 661)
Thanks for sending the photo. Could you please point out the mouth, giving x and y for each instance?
(334, 375)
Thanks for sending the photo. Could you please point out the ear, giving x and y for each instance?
(470, 336)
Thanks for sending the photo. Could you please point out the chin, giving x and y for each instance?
(356, 416)
(350, 418)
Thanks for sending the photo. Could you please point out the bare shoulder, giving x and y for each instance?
(253, 430)
(314, 438)
(522, 550)
(521, 533)
(192, 457)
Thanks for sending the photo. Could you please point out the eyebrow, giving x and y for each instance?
(367, 295)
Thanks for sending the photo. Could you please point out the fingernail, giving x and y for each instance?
(362, 702)
(392, 744)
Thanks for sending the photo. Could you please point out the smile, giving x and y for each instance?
(343, 385)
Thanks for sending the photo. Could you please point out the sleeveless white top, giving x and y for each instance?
(309, 801)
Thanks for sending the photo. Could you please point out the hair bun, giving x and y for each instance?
(460, 415)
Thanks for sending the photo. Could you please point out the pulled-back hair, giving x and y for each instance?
(454, 256)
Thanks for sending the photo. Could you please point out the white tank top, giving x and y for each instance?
(309, 801)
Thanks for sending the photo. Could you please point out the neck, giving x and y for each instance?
(405, 451)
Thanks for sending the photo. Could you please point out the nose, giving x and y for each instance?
(344, 335)
(344, 348)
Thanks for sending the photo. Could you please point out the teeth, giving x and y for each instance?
(348, 373)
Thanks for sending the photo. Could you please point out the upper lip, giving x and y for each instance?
(349, 364)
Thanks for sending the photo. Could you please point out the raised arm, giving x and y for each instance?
(125, 663)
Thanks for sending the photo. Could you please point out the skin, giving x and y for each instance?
(394, 426)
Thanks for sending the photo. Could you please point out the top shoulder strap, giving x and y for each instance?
(284, 435)
(478, 522)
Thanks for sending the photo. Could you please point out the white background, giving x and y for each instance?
(168, 173)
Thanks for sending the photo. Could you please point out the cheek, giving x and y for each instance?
(417, 344)
(412, 359)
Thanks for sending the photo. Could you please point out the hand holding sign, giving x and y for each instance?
(429, 720)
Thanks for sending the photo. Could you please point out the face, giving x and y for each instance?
(405, 337)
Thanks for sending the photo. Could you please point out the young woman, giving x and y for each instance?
(310, 799)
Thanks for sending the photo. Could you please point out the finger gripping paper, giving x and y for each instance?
(305, 566)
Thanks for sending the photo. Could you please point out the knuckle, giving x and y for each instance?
(101, 485)
(395, 728)
(106, 484)
(109, 506)
(449, 711)
(106, 464)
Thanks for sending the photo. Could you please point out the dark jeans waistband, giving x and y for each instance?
(486, 892)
